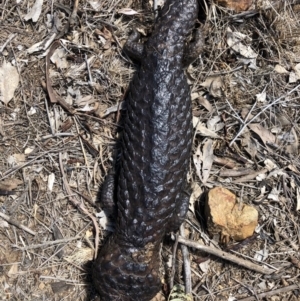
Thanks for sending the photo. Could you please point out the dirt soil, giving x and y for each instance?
(60, 120)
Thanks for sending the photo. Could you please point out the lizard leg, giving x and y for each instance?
(193, 49)
(182, 207)
(133, 48)
(107, 194)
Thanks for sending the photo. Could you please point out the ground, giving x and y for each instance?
(59, 126)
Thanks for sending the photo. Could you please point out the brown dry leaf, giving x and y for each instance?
(293, 168)
(80, 256)
(298, 199)
(13, 271)
(10, 184)
(281, 70)
(16, 159)
(205, 103)
(59, 58)
(84, 100)
(196, 192)
(3, 224)
(265, 135)
(127, 11)
(107, 111)
(204, 131)
(106, 34)
(214, 85)
(249, 145)
(95, 4)
(106, 37)
(159, 297)
(215, 124)
(297, 71)
(204, 266)
(35, 11)
(236, 41)
(9, 81)
(261, 97)
(203, 159)
(202, 101)
(293, 145)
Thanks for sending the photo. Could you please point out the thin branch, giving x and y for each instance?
(186, 264)
(173, 270)
(273, 292)
(47, 243)
(227, 256)
(16, 223)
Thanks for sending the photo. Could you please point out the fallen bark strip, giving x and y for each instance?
(272, 293)
(16, 223)
(227, 256)
(235, 172)
(251, 176)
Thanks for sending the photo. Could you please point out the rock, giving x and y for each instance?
(235, 5)
(228, 218)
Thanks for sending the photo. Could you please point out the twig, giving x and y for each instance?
(74, 13)
(57, 135)
(12, 36)
(260, 112)
(89, 70)
(244, 122)
(22, 241)
(17, 224)
(47, 243)
(235, 172)
(250, 176)
(227, 256)
(49, 118)
(82, 147)
(186, 263)
(173, 262)
(14, 169)
(272, 293)
(79, 205)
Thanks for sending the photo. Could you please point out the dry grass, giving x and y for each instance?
(41, 141)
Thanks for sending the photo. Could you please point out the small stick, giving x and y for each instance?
(235, 172)
(25, 247)
(250, 176)
(186, 263)
(17, 224)
(227, 256)
(47, 243)
(49, 118)
(12, 36)
(74, 13)
(173, 262)
(89, 70)
(272, 293)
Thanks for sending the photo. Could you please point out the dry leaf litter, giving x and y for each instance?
(57, 147)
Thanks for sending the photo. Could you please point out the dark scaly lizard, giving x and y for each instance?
(156, 148)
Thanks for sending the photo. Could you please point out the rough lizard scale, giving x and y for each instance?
(156, 147)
